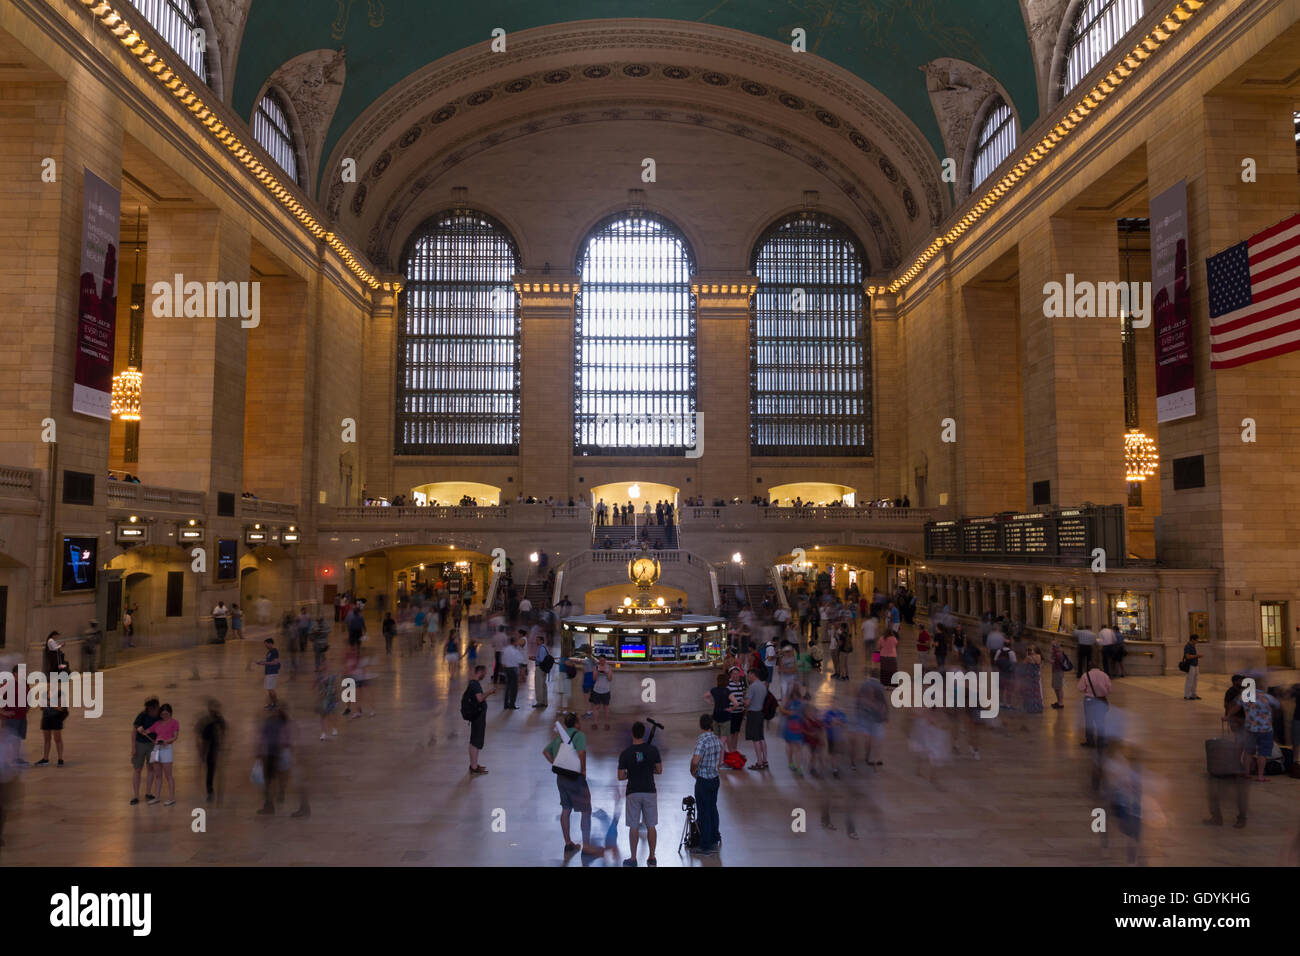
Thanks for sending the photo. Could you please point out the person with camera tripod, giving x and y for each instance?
(704, 768)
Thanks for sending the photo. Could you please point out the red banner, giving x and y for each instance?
(92, 389)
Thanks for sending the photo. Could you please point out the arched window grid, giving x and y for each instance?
(1097, 29)
(635, 339)
(177, 22)
(810, 351)
(997, 139)
(459, 339)
(272, 130)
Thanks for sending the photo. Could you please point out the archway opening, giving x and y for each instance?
(636, 493)
(457, 493)
(812, 493)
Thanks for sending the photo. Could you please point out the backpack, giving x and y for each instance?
(469, 705)
(770, 706)
(759, 666)
(735, 760)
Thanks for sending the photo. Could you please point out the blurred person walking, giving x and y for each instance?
(210, 735)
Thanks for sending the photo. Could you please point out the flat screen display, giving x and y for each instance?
(227, 559)
(666, 651)
(602, 650)
(79, 563)
(633, 652)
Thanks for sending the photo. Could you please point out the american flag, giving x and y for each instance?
(1255, 297)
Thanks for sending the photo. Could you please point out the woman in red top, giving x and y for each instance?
(888, 657)
(923, 645)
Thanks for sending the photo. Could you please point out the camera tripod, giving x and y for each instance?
(690, 827)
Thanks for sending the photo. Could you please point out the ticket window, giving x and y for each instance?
(1130, 614)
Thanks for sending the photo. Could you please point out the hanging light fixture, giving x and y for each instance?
(126, 394)
(1141, 459)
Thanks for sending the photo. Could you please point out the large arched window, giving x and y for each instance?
(994, 142)
(1096, 28)
(271, 128)
(634, 384)
(177, 22)
(810, 353)
(458, 340)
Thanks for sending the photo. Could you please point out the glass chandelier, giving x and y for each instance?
(1141, 459)
(126, 394)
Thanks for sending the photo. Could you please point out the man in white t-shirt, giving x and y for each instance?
(1106, 641)
(220, 618)
(870, 631)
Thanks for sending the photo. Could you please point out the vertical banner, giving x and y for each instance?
(1172, 305)
(92, 389)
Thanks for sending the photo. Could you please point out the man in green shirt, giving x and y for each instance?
(572, 783)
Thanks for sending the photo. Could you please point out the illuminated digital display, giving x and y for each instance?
(602, 650)
(662, 651)
(687, 650)
(633, 652)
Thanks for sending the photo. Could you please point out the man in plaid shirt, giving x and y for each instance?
(704, 768)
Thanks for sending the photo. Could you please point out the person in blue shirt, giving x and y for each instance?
(271, 667)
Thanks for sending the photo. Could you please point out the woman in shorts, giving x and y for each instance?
(600, 691)
(164, 734)
(52, 719)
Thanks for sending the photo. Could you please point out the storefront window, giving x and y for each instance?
(1131, 614)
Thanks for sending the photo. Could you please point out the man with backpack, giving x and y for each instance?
(545, 662)
(473, 707)
(567, 756)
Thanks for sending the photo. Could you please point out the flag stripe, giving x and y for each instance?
(1255, 355)
(1255, 296)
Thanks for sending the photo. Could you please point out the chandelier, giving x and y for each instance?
(126, 394)
(1141, 459)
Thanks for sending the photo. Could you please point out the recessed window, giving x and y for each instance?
(810, 369)
(177, 22)
(271, 129)
(634, 385)
(1097, 28)
(458, 344)
(996, 140)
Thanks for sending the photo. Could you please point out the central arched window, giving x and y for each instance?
(271, 128)
(810, 354)
(177, 22)
(994, 142)
(634, 383)
(458, 340)
(1094, 32)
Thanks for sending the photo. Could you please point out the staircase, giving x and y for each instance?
(662, 537)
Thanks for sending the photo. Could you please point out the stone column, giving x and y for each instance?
(1072, 365)
(377, 438)
(723, 307)
(546, 385)
(889, 400)
(192, 404)
(1246, 519)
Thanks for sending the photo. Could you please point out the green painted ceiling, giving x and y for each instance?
(885, 42)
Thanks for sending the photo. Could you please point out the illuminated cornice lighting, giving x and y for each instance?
(1091, 101)
(1141, 459)
(104, 12)
(126, 394)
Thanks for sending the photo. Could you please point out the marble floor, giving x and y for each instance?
(393, 789)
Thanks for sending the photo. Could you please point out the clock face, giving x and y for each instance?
(643, 567)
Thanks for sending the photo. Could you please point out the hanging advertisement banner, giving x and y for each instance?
(1172, 305)
(92, 388)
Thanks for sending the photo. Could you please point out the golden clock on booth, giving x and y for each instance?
(643, 571)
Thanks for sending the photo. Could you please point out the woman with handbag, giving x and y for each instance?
(164, 734)
(52, 719)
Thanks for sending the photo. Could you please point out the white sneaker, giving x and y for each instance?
(323, 737)
(334, 732)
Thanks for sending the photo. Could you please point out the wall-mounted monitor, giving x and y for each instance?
(80, 562)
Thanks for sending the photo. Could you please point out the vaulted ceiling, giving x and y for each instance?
(411, 89)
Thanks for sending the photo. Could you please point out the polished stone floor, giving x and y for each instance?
(393, 789)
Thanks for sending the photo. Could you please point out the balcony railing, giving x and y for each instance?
(125, 494)
(264, 507)
(755, 514)
(417, 516)
(19, 482)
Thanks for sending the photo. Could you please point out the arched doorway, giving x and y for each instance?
(811, 493)
(456, 493)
